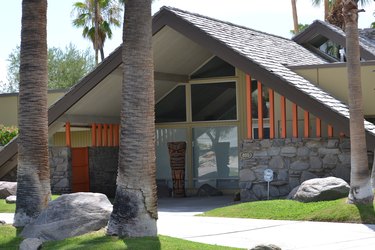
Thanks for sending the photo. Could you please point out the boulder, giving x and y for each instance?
(208, 190)
(70, 215)
(266, 247)
(322, 189)
(7, 188)
(31, 244)
(11, 199)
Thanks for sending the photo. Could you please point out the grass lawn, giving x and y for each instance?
(11, 208)
(331, 211)
(98, 240)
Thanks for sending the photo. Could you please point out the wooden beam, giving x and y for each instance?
(116, 136)
(271, 95)
(110, 142)
(161, 76)
(306, 122)
(100, 135)
(260, 110)
(93, 135)
(105, 137)
(283, 116)
(68, 141)
(295, 120)
(249, 117)
(318, 127)
(330, 131)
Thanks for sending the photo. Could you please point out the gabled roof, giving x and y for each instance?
(319, 31)
(265, 57)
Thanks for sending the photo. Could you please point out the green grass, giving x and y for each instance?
(98, 240)
(331, 211)
(11, 208)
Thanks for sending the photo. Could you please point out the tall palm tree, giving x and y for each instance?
(360, 181)
(295, 16)
(135, 206)
(96, 18)
(33, 176)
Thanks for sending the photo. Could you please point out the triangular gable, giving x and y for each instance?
(323, 29)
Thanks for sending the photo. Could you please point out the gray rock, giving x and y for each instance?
(306, 175)
(208, 190)
(7, 188)
(31, 244)
(292, 193)
(299, 165)
(266, 247)
(70, 215)
(11, 199)
(322, 189)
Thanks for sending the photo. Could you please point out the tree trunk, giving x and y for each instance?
(96, 28)
(326, 9)
(360, 184)
(102, 53)
(135, 206)
(295, 16)
(33, 175)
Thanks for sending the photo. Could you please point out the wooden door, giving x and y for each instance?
(80, 170)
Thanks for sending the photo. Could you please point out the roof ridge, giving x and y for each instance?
(173, 9)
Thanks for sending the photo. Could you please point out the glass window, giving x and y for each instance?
(213, 102)
(216, 67)
(215, 153)
(172, 108)
(254, 100)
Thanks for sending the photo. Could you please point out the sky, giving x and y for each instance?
(271, 16)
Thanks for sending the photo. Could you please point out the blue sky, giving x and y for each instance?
(272, 16)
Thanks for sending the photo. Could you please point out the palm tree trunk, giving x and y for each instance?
(96, 27)
(360, 184)
(295, 16)
(326, 9)
(135, 206)
(33, 175)
(102, 53)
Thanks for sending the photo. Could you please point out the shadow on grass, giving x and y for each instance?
(152, 243)
(367, 215)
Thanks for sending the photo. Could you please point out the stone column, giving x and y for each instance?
(177, 161)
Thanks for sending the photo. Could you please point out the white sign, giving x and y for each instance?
(268, 175)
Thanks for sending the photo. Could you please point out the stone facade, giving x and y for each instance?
(292, 161)
(60, 161)
(103, 162)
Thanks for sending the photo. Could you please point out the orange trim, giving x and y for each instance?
(271, 96)
(116, 135)
(68, 140)
(306, 121)
(110, 142)
(318, 126)
(283, 116)
(295, 120)
(105, 136)
(330, 131)
(249, 118)
(100, 135)
(93, 135)
(260, 110)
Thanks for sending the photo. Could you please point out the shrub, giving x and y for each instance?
(7, 134)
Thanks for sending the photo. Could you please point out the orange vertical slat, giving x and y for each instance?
(110, 142)
(283, 116)
(295, 120)
(249, 117)
(330, 131)
(116, 136)
(318, 128)
(306, 123)
(93, 135)
(260, 110)
(271, 95)
(100, 135)
(68, 141)
(105, 136)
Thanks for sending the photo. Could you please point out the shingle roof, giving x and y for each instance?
(270, 52)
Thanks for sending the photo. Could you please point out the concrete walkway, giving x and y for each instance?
(176, 219)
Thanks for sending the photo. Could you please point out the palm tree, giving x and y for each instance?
(33, 176)
(360, 181)
(96, 18)
(135, 206)
(295, 16)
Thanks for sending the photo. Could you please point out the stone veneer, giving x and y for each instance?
(292, 161)
(60, 161)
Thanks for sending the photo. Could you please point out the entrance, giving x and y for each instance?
(80, 170)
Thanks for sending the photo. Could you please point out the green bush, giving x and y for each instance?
(7, 134)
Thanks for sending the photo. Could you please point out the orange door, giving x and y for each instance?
(80, 170)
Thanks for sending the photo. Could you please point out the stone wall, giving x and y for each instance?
(292, 161)
(103, 163)
(61, 170)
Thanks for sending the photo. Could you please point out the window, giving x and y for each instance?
(172, 108)
(214, 68)
(214, 102)
(254, 100)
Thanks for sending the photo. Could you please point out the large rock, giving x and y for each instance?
(70, 215)
(321, 189)
(11, 199)
(31, 244)
(7, 188)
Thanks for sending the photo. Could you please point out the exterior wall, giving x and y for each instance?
(61, 170)
(103, 163)
(292, 161)
(80, 138)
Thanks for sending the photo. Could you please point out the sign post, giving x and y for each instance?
(268, 177)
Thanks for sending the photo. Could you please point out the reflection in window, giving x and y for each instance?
(216, 67)
(254, 100)
(215, 153)
(215, 101)
(333, 50)
(172, 108)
